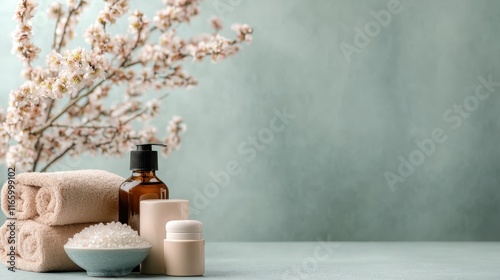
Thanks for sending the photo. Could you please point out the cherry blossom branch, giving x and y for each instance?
(57, 158)
(66, 24)
(54, 41)
(74, 101)
(142, 111)
(136, 44)
(68, 106)
(46, 132)
(132, 64)
(84, 126)
(23, 46)
(38, 154)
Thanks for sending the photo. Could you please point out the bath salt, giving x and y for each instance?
(110, 235)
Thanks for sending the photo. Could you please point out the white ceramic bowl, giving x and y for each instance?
(107, 261)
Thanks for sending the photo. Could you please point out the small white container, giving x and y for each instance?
(184, 248)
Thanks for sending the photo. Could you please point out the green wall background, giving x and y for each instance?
(323, 175)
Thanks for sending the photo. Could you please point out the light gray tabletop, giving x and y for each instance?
(336, 260)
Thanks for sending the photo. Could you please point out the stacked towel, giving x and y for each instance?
(68, 197)
(40, 247)
(52, 207)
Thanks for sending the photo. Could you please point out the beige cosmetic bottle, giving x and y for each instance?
(155, 213)
(184, 248)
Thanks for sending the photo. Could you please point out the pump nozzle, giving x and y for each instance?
(144, 158)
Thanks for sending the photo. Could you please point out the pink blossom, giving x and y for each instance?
(113, 10)
(23, 46)
(243, 31)
(216, 23)
(55, 11)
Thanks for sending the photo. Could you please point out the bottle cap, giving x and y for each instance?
(144, 158)
(184, 230)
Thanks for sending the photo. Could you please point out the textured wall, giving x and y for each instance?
(411, 94)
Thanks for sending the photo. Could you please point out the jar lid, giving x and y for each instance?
(184, 226)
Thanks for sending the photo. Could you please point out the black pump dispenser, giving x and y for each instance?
(144, 158)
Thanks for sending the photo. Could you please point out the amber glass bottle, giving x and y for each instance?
(143, 184)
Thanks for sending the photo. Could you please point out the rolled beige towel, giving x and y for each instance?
(24, 202)
(68, 197)
(40, 248)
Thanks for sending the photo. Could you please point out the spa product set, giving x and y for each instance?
(57, 216)
(144, 206)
